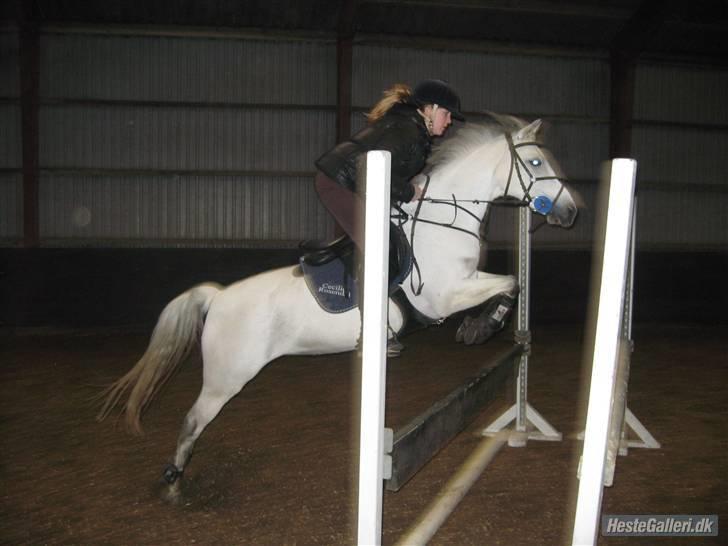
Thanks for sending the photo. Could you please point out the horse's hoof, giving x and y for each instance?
(474, 331)
(480, 332)
(172, 494)
(460, 334)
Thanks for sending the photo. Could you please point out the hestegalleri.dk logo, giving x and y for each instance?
(680, 525)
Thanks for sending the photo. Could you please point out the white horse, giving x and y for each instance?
(241, 326)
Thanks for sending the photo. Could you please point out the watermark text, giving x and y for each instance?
(704, 525)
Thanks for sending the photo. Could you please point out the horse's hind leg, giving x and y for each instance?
(207, 406)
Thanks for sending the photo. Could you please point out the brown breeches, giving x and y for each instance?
(344, 205)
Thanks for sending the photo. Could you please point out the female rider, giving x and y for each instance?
(403, 122)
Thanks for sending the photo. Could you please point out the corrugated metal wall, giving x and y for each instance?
(495, 81)
(680, 139)
(176, 141)
(219, 133)
(192, 141)
(172, 69)
(183, 210)
(185, 138)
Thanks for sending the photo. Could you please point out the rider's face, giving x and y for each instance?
(441, 119)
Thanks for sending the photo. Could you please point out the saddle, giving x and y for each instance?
(329, 269)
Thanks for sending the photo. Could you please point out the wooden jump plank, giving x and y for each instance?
(420, 439)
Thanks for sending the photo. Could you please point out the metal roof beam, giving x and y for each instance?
(644, 24)
(579, 9)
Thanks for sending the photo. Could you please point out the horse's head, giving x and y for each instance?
(531, 174)
(483, 163)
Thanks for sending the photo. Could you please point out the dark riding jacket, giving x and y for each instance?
(402, 132)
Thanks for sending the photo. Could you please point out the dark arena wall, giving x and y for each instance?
(85, 288)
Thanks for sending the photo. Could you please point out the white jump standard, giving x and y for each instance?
(374, 347)
(607, 413)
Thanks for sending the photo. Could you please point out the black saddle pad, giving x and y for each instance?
(332, 284)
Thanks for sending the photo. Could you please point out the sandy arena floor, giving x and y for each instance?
(278, 464)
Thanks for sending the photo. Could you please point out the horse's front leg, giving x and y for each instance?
(491, 307)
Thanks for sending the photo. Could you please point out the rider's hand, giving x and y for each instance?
(418, 193)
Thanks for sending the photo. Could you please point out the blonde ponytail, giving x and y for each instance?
(399, 92)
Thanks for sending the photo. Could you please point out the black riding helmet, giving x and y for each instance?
(440, 93)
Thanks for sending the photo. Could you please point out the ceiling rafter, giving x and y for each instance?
(580, 9)
(641, 28)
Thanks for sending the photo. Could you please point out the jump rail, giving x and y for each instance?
(417, 442)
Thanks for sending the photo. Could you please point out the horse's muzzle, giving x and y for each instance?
(563, 216)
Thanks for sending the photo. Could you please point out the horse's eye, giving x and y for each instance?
(535, 162)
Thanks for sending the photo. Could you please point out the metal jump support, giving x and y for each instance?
(529, 424)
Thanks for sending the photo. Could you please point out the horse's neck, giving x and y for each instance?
(473, 176)
(470, 182)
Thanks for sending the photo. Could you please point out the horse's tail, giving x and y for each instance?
(177, 330)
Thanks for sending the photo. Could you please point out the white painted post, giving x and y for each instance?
(374, 348)
(606, 349)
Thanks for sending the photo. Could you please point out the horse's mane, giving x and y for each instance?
(472, 136)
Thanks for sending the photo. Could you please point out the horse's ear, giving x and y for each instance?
(529, 131)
